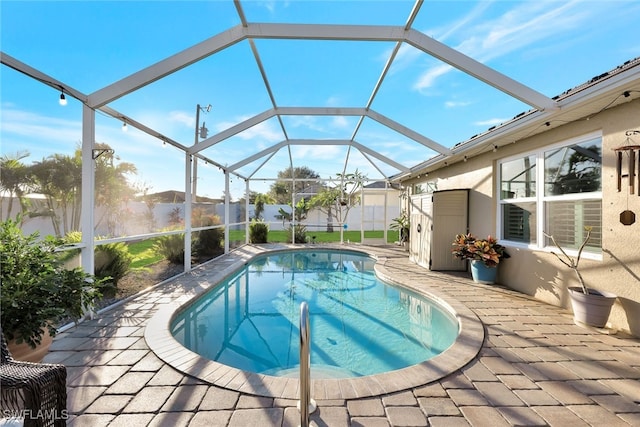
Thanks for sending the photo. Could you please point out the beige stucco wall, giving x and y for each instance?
(539, 273)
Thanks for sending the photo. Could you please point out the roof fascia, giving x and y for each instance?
(611, 84)
(572, 101)
(616, 83)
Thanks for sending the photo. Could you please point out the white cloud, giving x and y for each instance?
(490, 122)
(180, 117)
(317, 152)
(427, 79)
(263, 131)
(456, 104)
(31, 125)
(340, 122)
(515, 30)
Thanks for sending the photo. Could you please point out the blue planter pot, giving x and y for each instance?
(483, 274)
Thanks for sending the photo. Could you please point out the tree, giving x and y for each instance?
(281, 190)
(59, 178)
(112, 187)
(340, 197)
(300, 212)
(260, 200)
(579, 173)
(15, 182)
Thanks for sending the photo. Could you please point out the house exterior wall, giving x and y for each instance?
(538, 272)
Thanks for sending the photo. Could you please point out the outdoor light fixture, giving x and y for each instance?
(124, 126)
(63, 100)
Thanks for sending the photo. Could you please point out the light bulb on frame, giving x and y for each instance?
(124, 127)
(63, 99)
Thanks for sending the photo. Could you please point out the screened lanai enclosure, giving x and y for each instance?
(161, 135)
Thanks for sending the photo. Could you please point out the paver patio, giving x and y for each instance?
(535, 368)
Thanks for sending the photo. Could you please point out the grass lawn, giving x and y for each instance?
(144, 255)
(281, 236)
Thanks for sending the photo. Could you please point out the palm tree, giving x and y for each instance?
(15, 182)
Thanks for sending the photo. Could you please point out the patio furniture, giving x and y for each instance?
(36, 392)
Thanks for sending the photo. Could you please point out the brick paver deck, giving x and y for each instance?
(535, 368)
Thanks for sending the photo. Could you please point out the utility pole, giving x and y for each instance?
(201, 132)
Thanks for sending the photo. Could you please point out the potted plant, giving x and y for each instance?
(484, 256)
(590, 306)
(403, 225)
(37, 291)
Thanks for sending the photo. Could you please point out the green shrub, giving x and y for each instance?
(209, 242)
(36, 290)
(258, 231)
(300, 233)
(170, 247)
(112, 260)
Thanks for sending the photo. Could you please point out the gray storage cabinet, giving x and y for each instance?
(436, 218)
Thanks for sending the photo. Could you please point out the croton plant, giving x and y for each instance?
(489, 251)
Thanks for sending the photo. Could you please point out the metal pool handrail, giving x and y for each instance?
(305, 404)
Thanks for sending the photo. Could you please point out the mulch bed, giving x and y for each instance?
(141, 279)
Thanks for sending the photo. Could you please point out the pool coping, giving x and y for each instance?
(160, 340)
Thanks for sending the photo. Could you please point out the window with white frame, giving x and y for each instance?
(557, 190)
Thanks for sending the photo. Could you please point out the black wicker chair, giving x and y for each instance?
(35, 391)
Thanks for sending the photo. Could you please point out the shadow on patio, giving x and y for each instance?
(535, 368)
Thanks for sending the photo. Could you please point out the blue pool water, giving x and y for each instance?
(359, 325)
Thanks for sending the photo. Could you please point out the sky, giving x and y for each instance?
(550, 46)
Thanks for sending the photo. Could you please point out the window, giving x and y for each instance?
(557, 190)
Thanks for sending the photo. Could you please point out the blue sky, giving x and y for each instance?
(550, 46)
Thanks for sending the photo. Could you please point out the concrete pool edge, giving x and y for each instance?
(160, 340)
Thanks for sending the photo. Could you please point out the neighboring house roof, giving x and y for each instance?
(383, 184)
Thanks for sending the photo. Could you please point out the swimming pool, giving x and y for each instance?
(359, 325)
(391, 265)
